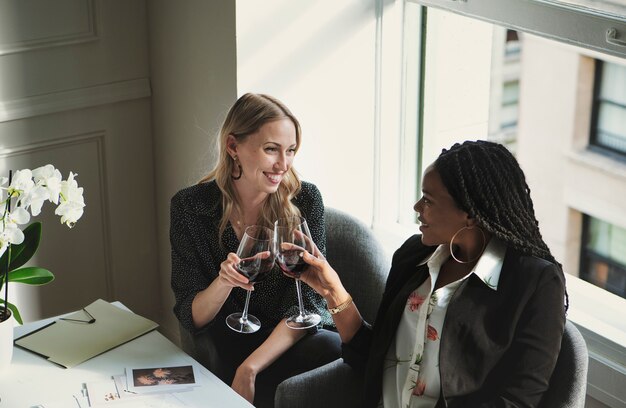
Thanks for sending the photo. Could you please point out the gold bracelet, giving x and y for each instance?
(341, 307)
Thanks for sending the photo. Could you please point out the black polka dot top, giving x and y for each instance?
(196, 212)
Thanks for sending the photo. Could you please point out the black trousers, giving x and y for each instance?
(313, 350)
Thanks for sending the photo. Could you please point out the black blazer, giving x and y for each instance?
(498, 348)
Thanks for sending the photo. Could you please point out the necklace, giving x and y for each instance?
(238, 225)
(238, 220)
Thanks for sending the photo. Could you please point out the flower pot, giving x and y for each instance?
(6, 340)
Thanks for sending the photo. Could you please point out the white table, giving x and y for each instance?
(32, 381)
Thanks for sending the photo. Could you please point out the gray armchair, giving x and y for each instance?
(568, 384)
(359, 259)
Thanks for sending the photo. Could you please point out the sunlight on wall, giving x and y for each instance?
(318, 58)
(457, 81)
(321, 60)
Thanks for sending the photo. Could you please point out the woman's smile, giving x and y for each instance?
(274, 178)
(422, 224)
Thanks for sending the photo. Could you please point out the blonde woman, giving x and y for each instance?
(253, 183)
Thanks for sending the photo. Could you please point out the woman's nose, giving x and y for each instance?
(281, 164)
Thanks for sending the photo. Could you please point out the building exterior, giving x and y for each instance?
(571, 141)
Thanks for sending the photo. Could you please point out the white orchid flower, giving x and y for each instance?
(70, 212)
(18, 216)
(72, 202)
(22, 181)
(29, 190)
(12, 234)
(21, 186)
(35, 199)
(49, 178)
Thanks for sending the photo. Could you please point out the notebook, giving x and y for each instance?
(75, 338)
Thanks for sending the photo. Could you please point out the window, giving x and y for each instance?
(505, 87)
(608, 130)
(603, 259)
(484, 81)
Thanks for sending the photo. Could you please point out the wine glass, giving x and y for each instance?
(291, 237)
(256, 253)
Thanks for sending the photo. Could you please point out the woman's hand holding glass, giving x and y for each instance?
(319, 275)
(230, 276)
(322, 278)
(254, 259)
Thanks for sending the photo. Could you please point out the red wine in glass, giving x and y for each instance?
(291, 238)
(291, 262)
(255, 270)
(256, 254)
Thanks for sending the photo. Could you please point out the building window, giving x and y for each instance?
(603, 258)
(608, 129)
(505, 87)
(510, 100)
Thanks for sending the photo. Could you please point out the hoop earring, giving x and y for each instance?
(479, 254)
(237, 177)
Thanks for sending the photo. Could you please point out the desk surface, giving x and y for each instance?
(31, 380)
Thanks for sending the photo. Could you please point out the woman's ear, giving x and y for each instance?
(231, 145)
(471, 221)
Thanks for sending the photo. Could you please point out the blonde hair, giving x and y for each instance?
(245, 117)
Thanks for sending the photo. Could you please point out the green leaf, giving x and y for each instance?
(32, 275)
(32, 237)
(21, 253)
(13, 309)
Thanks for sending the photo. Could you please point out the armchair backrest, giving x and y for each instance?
(359, 259)
(568, 383)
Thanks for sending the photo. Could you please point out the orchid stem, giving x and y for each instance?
(7, 209)
(6, 284)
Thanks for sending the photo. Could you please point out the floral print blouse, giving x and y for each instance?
(411, 376)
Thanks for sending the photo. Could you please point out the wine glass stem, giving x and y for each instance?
(300, 305)
(244, 315)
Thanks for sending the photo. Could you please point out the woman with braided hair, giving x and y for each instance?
(474, 307)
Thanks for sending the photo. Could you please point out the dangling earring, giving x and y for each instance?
(237, 177)
(479, 254)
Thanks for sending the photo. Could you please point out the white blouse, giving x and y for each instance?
(411, 373)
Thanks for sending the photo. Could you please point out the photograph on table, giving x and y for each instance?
(161, 379)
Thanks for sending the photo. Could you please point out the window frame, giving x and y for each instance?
(594, 144)
(587, 255)
(597, 313)
(576, 25)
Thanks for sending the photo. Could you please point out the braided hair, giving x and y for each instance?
(486, 181)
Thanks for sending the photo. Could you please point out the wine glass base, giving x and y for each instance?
(303, 321)
(236, 323)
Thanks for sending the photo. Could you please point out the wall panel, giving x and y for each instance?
(75, 92)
